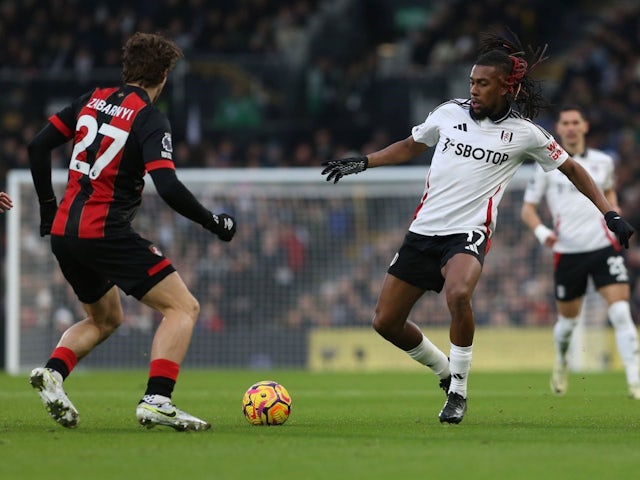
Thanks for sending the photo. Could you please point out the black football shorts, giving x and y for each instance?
(572, 271)
(93, 266)
(421, 258)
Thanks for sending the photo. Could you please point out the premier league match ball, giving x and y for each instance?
(266, 403)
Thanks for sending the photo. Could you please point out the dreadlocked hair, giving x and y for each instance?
(505, 52)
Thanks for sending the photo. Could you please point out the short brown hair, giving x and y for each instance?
(147, 58)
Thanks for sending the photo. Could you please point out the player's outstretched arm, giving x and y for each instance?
(180, 199)
(396, 153)
(583, 182)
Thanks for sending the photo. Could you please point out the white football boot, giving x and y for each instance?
(159, 410)
(49, 385)
(559, 379)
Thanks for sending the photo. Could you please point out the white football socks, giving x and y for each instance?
(430, 356)
(562, 331)
(460, 364)
(626, 339)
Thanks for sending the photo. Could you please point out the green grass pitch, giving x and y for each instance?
(342, 426)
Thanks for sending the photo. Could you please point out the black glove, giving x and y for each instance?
(48, 211)
(336, 169)
(223, 225)
(620, 227)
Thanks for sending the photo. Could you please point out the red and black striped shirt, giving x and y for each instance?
(118, 135)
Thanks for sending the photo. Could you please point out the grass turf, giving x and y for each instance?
(342, 426)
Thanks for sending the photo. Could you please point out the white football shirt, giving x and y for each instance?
(577, 222)
(472, 164)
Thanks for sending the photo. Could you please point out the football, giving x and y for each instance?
(266, 403)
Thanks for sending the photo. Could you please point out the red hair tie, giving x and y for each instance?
(518, 72)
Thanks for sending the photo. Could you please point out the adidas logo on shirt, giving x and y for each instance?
(462, 126)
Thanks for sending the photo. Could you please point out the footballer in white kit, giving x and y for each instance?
(472, 164)
(584, 249)
(479, 143)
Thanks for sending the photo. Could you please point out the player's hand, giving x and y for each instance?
(48, 211)
(223, 225)
(545, 235)
(5, 202)
(620, 227)
(336, 169)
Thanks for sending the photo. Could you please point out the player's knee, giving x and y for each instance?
(458, 297)
(192, 308)
(385, 326)
(109, 322)
(186, 312)
(382, 328)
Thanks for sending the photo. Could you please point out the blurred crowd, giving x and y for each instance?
(338, 57)
(291, 83)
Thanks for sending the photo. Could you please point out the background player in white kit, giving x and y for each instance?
(583, 248)
(479, 144)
